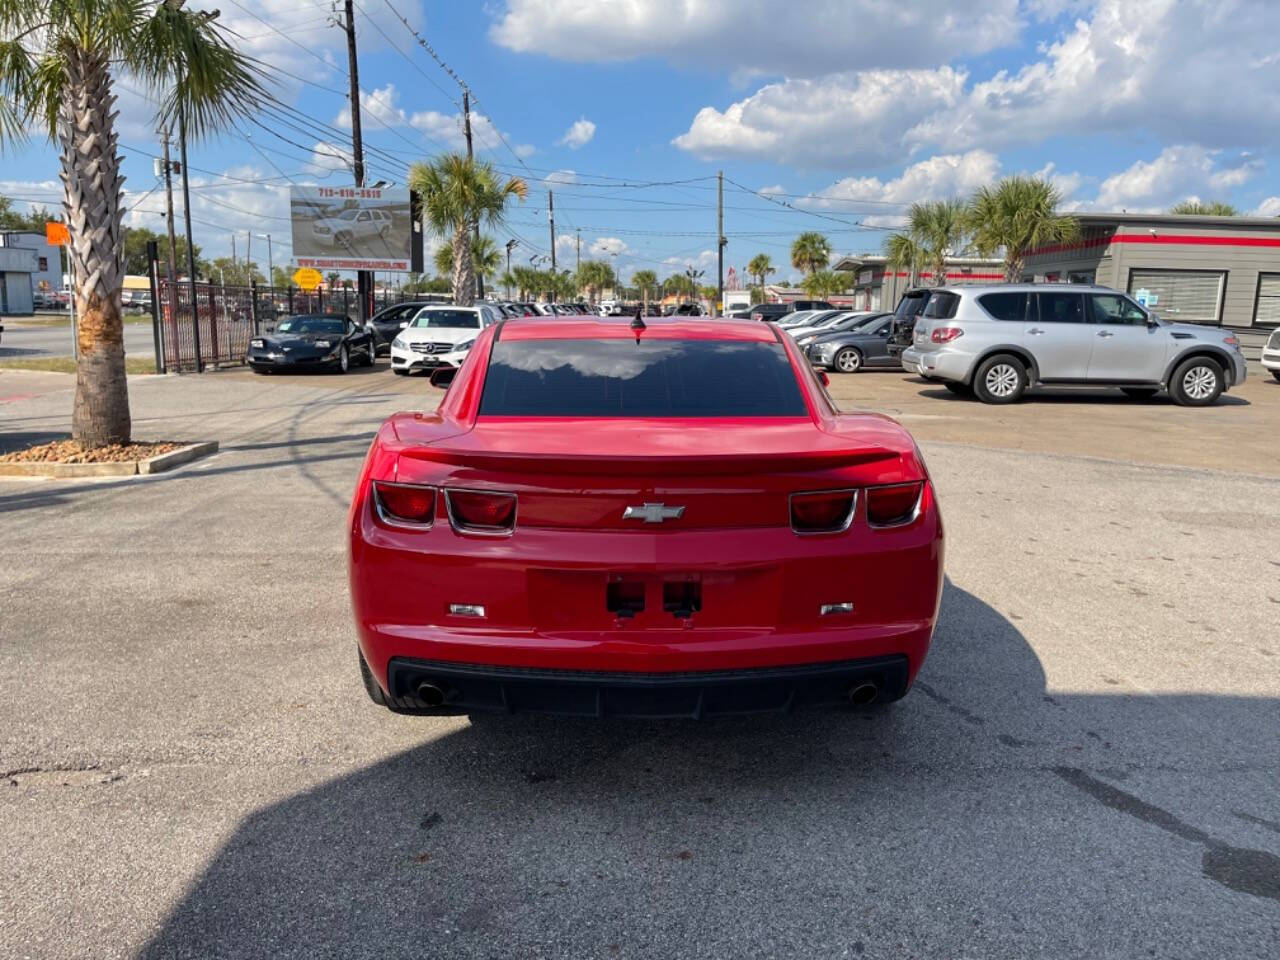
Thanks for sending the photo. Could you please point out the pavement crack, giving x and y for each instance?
(1244, 870)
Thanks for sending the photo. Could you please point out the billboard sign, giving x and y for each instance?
(354, 228)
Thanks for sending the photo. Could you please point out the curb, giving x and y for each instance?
(156, 464)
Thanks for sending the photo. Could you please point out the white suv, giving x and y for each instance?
(351, 226)
(996, 341)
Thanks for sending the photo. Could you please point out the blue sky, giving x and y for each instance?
(832, 114)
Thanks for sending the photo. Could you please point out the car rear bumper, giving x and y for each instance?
(545, 597)
(938, 364)
(478, 687)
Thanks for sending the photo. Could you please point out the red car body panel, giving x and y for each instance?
(543, 586)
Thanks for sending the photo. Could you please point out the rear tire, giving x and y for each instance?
(1139, 393)
(959, 389)
(848, 360)
(1000, 379)
(1276, 374)
(1197, 382)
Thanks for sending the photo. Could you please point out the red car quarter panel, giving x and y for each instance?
(644, 518)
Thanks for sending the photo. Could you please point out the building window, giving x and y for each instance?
(44, 264)
(1266, 308)
(1184, 296)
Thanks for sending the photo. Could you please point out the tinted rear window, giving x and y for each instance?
(942, 306)
(911, 305)
(1005, 306)
(652, 378)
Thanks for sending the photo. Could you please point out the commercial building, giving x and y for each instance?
(17, 265)
(46, 278)
(877, 287)
(1220, 271)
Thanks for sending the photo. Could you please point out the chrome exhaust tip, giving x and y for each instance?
(431, 694)
(861, 694)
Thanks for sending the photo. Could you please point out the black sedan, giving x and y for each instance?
(864, 345)
(311, 341)
(389, 321)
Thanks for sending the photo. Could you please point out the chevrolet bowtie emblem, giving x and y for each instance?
(653, 513)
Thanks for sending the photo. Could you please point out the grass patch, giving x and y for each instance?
(134, 365)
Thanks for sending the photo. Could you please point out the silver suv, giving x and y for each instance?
(996, 341)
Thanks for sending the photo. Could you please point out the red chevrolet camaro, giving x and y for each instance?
(609, 518)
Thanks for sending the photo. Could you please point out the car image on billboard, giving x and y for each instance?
(354, 228)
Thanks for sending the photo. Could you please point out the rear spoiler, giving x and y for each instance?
(703, 465)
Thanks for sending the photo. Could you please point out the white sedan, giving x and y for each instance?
(1271, 354)
(439, 336)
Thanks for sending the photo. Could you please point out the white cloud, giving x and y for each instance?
(327, 157)
(1184, 172)
(883, 202)
(1269, 207)
(772, 191)
(447, 130)
(833, 121)
(608, 246)
(799, 38)
(1172, 68)
(578, 135)
(702, 261)
(1178, 70)
(561, 177)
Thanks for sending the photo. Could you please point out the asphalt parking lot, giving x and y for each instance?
(1087, 766)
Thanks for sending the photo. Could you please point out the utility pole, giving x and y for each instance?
(168, 215)
(364, 283)
(510, 243)
(233, 249)
(551, 215)
(720, 242)
(248, 255)
(466, 121)
(577, 259)
(191, 249)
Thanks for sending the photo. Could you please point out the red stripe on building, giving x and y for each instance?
(950, 276)
(1185, 239)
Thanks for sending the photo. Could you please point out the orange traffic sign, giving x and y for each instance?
(307, 278)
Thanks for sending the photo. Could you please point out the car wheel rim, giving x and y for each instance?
(848, 362)
(1199, 383)
(1002, 380)
(343, 360)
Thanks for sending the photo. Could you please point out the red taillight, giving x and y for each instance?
(893, 505)
(829, 511)
(480, 511)
(946, 334)
(405, 502)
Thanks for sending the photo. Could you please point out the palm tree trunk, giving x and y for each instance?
(92, 187)
(464, 272)
(1012, 268)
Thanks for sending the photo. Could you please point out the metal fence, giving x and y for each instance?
(217, 332)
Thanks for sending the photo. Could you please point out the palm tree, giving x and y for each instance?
(594, 276)
(645, 280)
(938, 226)
(811, 251)
(55, 76)
(484, 257)
(457, 193)
(331, 280)
(760, 266)
(1018, 214)
(821, 284)
(904, 255)
(1211, 208)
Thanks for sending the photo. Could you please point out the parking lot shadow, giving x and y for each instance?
(1098, 396)
(980, 815)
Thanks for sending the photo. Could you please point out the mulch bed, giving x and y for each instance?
(70, 451)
